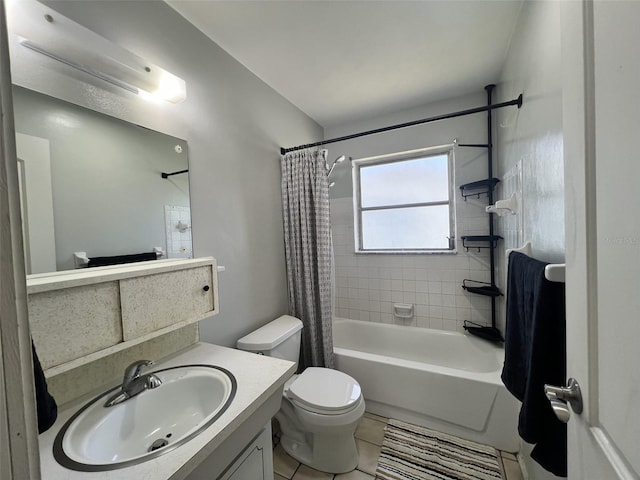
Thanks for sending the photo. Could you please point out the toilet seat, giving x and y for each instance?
(324, 391)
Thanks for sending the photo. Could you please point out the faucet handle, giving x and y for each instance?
(133, 370)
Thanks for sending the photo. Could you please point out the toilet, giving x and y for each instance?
(320, 407)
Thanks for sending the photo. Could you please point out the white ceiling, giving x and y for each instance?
(340, 61)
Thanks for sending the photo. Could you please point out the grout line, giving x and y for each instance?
(296, 470)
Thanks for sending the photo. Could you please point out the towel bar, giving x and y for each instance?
(555, 272)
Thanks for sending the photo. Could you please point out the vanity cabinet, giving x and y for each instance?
(84, 315)
(255, 462)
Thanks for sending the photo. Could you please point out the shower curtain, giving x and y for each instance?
(307, 239)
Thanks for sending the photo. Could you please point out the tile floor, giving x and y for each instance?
(369, 437)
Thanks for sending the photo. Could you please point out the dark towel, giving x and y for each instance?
(119, 259)
(46, 407)
(535, 354)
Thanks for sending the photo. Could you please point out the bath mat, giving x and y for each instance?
(410, 452)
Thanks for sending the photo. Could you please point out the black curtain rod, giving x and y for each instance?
(167, 175)
(486, 108)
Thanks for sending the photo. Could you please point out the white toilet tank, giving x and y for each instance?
(279, 338)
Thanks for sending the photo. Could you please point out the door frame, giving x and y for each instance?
(20, 459)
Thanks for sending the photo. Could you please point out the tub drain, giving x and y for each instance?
(161, 442)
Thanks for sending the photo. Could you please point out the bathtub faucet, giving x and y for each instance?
(133, 383)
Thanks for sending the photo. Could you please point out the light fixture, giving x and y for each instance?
(102, 76)
(35, 27)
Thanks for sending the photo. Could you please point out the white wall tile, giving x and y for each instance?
(367, 286)
(409, 285)
(423, 322)
(435, 299)
(409, 273)
(396, 273)
(449, 325)
(436, 323)
(422, 298)
(421, 274)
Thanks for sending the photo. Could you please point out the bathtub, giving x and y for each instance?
(446, 381)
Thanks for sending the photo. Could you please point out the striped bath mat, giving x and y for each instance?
(410, 452)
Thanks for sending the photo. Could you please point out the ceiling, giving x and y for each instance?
(342, 61)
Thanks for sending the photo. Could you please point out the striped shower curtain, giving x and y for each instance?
(307, 240)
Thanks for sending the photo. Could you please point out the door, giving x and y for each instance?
(601, 124)
(34, 176)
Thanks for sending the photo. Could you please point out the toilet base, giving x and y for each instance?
(326, 453)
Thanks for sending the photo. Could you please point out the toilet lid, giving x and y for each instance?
(325, 389)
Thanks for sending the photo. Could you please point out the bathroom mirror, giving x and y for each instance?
(93, 183)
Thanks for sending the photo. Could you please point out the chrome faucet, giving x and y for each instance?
(133, 383)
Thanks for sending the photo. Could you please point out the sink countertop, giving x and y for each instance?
(258, 377)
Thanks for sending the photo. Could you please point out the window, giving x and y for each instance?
(403, 202)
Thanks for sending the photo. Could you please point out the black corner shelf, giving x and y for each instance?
(492, 334)
(490, 242)
(480, 187)
(480, 241)
(481, 288)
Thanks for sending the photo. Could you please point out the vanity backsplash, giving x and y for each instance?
(87, 325)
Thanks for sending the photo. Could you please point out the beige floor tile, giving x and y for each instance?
(368, 454)
(283, 464)
(512, 469)
(279, 477)
(355, 475)
(307, 473)
(370, 430)
(376, 417)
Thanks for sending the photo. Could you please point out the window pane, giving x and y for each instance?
(409, 181)
(406, 228)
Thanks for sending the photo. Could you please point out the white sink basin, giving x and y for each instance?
(152, 423)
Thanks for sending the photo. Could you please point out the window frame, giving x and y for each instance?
(357, 164)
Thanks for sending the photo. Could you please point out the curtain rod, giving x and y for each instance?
(486, 108)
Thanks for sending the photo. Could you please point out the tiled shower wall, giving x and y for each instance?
(367, 285)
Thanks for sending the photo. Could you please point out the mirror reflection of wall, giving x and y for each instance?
(107, 196)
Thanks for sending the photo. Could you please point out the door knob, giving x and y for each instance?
(560, 396)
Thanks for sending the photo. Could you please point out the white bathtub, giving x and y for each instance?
(446, 381)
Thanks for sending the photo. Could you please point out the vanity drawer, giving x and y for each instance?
(152, 302)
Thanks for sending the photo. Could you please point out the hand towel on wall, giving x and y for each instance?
(120, 259)
(535, 354)
(46, 406)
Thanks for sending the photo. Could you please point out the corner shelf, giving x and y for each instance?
(480, 241)
(491, 334)
(480, 187)
(482, 288)
(489, 241)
